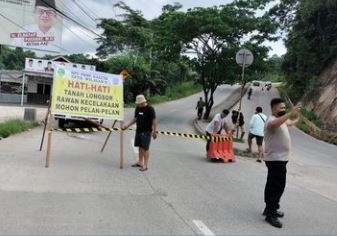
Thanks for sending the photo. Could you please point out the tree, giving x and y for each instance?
(138, 80)
(14, 59)
(132, 33)
(311, 42)
(213, 35)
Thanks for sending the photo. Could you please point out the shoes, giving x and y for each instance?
(248, 150)
(259, 160)
(136, 165)
(274, 221)
(143, 169)
(276, 214)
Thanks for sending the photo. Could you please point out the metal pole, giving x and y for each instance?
(242, 86)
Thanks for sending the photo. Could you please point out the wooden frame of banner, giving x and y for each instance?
(121, 143)
(49, 127)
(45, 124)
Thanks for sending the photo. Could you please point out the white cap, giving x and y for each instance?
(140, 99)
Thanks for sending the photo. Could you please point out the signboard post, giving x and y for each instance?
(244, 58)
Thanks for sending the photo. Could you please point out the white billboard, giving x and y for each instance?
(31, 24)
(48, 66)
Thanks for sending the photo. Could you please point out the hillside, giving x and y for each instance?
(324, 101)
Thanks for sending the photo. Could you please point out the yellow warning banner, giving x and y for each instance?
(88, 94)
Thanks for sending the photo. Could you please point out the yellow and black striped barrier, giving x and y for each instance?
(168, 133)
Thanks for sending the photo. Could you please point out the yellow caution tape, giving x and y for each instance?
(168, 133)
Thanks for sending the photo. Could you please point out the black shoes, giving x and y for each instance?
(272, 218)
(274, 221)
(276, 213)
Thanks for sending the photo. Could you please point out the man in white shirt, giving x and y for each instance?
(256, 130)
(215, 126)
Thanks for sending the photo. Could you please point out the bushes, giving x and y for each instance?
(178, 91)
(15, 126)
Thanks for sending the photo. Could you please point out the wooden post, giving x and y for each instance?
(49, 126)
(45, 123)
(107, 138)
(121, 142)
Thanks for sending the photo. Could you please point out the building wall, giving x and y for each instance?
(12, 98)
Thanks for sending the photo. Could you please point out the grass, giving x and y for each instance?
(11, 127)
(310, 115)
(238, 140)
(175, 92)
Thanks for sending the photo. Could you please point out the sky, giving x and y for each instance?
(77, 40)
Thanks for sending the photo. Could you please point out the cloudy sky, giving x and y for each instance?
(77, 40)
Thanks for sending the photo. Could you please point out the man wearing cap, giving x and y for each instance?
(146, 122)
(43, 34)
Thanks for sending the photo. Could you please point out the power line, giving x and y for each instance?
(69, 10)
(76, 22)
(85, 12)
(76, 34)
(79, 28)
(92, 12)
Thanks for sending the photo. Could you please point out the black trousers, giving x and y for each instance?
(200, 110)
(276, 182)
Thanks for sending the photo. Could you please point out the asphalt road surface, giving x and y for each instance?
(84, 192)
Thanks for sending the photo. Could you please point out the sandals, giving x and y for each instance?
(136, 165)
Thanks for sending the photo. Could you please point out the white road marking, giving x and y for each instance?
(203, 228)
(135, 149)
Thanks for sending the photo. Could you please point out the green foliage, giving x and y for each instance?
(175, 92)
(302, 126)
(13, 59)
(130, 34)
(274, 71)
(10, 127)
(212, 35)
(310, 115)
(311, 42)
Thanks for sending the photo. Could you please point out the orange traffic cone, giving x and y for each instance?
(228, 146)
(222, 149)
(212, 152)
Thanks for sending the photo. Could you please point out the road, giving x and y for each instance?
(85, 192)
